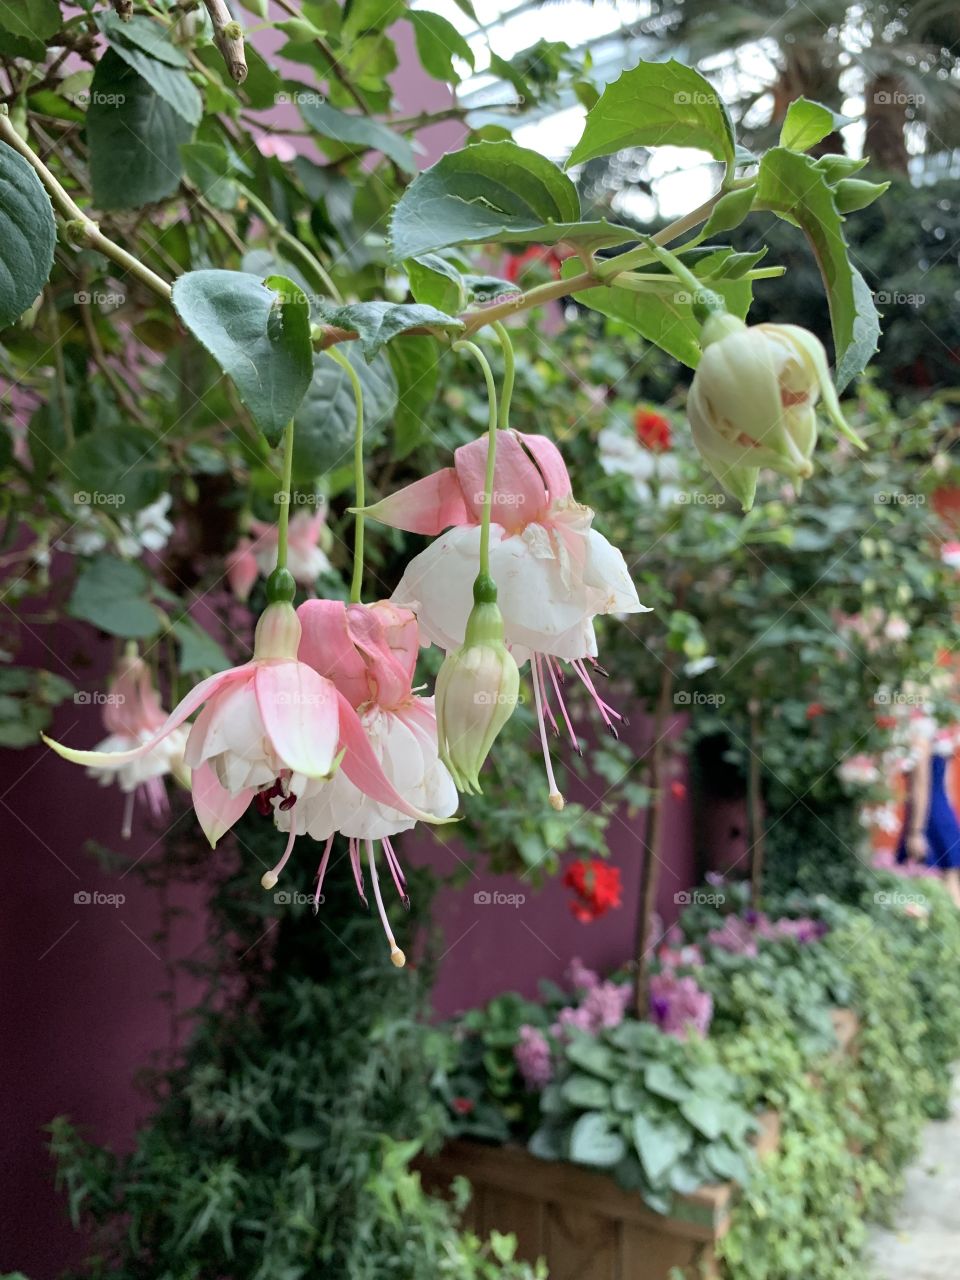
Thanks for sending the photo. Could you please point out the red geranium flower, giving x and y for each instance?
(596, 886)
(462, 1106)
(517, 262)
(653, 430)
(814, 709)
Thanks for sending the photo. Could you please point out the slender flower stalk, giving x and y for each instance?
(359, 476)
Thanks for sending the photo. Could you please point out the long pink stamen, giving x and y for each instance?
(399, 879)
(357, 871)
(606, 711)
(546, 701)
(396, 955)
(556, 799)
(552, 667)
(270, 878)
(127, 827)
(321, 872)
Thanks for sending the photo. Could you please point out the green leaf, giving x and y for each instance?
(258, 332)
(436, 282)
(323, 439)
(198, 650)
(656, 104)
(589, 1054)
(162, 67)
(664, 317)
(112, 595)
(356, 134)
(121, 468)
(28, 234)
(593, 1142)
(726, 1163)
(807, 123)
(134, 138)
(659, 1145)
(377, 322)
(662, 1080)
(708, 1115)
(492, 191)
(416, 367)
(304, 1139)
(797, 190)
(209, 168)
(586, 1092)
(143, 34)
(31, 19)
(438, 43)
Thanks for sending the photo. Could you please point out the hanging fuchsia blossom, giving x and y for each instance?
(554, 573)
(271, 724)
(132, 714)
(255, 556)
(368, 652)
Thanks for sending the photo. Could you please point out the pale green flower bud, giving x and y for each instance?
(753, 398)
(477, 690)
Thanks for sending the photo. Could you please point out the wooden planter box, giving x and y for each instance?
(579, 1220)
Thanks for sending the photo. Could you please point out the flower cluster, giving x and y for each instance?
(678, 1005)
(597, 888)
(739, 934)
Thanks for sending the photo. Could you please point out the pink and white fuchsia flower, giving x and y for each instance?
(271, 724)
(369, 653)
(554, 572)
(132, 714)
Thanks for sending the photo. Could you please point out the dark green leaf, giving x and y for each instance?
(357, 134)
(659, 1145)
(163, 67)
(304, 1139)
(585, 1092)
(31, 19)
(436, 282)
(664, 1081)
(120, 468)
(198, 650)
(28, 234)
(208, 167)
(112, 595)
(706, 1114)
(258, 332)
(134, 138)
(590, 1055)
(416, 367)
(797, 190)
(656, 104)
(377, 322)
(594, 1142)
(324, 433)
(492, 191)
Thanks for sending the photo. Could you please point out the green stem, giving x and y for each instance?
(491, 443)
(356, 584)
(314, 267)
(509, 375)
(84, 227)
(286, 481)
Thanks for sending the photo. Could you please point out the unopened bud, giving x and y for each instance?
(476, 693)
(278, 632)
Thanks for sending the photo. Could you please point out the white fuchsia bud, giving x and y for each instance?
(278, 632)
(477, 690)
(753, 399)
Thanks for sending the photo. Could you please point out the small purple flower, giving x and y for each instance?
(532, 1056)
(580, 977)
(678, 1006)
(735, 936)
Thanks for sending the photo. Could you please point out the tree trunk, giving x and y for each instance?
(886, 116)
(653, 854)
